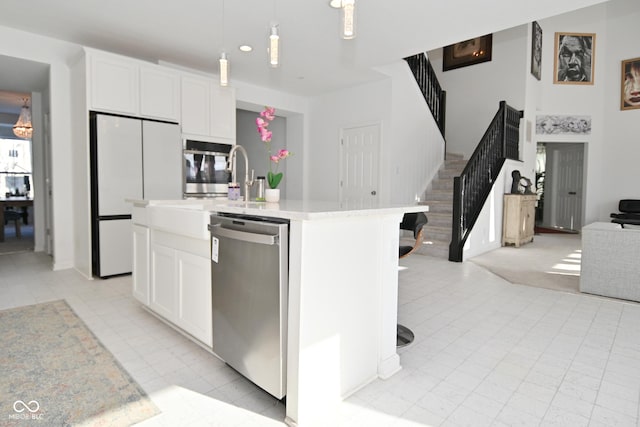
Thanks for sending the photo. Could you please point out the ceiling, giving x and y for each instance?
(315, 60)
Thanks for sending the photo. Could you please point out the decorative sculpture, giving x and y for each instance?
(521, 184)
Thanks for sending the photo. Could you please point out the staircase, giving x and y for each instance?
(439, 198)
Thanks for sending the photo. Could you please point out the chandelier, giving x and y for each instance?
(22, 128)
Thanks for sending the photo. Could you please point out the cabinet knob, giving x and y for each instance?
(373, 193)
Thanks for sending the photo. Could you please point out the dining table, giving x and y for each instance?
(17, 202)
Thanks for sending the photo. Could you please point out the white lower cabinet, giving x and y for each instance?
(181, 290)
(194, 296)
(164, 292)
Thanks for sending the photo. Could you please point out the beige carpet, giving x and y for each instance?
(551, 261)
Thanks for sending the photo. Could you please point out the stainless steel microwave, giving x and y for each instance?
(205, 169)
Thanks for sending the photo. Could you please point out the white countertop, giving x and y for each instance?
(288, 209)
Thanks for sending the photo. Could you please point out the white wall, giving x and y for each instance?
(415, 150)
(474, 92)
(55, 53)
(361, 105)
(618, 170)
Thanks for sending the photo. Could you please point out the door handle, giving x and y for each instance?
(373, 193)
(573, 193)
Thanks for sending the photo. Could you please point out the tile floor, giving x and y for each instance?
(487, 353)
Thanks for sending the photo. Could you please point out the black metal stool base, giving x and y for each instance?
(404, 336)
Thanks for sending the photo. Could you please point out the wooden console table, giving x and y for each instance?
(519, 217)
(13, 202)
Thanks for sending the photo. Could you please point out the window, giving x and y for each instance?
(15, 167)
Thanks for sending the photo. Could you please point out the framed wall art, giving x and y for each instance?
(468, 52)
(536, 50)
(574, 59)
(556, 124)
(630, 84)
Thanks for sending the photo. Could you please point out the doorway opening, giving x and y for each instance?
(559, 185)
(16, 181)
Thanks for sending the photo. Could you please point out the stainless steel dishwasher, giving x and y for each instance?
(249, 274)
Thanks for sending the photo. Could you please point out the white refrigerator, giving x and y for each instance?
(130, 159)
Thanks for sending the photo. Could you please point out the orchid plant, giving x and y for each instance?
(262, 123)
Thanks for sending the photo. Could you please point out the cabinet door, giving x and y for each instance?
(141, 264)
(195, 105)
(114, 84)
(163, 298)
(161, 161)
(194, 296)
(223, 113)
(159, 93)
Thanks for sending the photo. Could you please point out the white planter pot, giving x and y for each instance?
(272, 195)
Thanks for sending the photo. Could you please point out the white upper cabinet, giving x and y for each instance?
(113, 83)
(122, 85)
(196, 105)
(159, 93)
(208, 111)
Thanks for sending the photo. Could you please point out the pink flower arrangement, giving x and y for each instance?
(262, 123)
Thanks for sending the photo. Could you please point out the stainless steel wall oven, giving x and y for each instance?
(205, 173)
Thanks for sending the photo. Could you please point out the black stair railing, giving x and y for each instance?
(429, 86)
(472, 187)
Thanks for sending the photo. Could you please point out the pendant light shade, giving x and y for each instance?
(274, 47)
(348, 19)
(224, 69)
(23, 128)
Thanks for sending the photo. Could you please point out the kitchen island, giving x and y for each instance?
(343, 289)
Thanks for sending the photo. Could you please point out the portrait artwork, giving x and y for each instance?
(468, 52)
(630, 84)
(536, 50)
(574, 58)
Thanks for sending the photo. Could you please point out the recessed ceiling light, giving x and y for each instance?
(336, 4)
(245, 48)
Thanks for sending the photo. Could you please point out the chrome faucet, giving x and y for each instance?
(231, 167)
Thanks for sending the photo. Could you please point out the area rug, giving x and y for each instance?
(55, 372)
(551, 261)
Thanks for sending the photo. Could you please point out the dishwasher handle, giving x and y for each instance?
(263, 239)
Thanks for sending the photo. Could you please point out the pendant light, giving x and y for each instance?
(348, 10)
(348, 19)
(23, 128)
(224, 69)
(274, 47)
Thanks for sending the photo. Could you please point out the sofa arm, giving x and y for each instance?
(610, 263)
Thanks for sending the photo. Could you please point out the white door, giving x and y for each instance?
(119, 151)
(116, 248)
(359, 165)
(566, 180)
(162, 161)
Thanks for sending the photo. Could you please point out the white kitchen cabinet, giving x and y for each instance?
(180, 283)
(208, 111)
(159, 93)
(518, 220)
(161, 161)
(195, 105)
(194, 296)
(140, 263)
(164, 292)
(123, 85)
(113, 83)
(223, 112)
